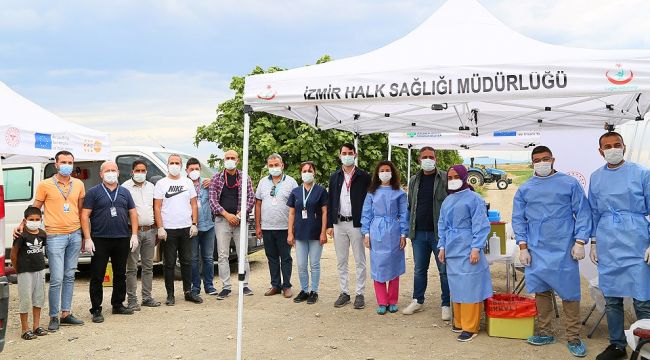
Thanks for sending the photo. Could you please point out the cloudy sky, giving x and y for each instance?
(150, 71)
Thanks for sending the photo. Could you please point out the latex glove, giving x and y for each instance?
(647, 256)
(524, 257)
(162, 234)
(194, 231)
(89, 246)
(578, 251)
(593, 255)
(134, 243)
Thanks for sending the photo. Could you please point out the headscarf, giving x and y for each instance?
(462, 172)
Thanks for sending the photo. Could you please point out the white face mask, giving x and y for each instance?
(614, 155)
(428, 164)
(455, 184)
(174, 170)
(275, 171)
(347, 160)
(385, 176)
(139, 177)
(110, 177)
(195, 174)
(33, 225)
(230, 164)
(307, 177)
(543, 168)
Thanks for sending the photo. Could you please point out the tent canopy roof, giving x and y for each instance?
(461, 58)
(31, 133)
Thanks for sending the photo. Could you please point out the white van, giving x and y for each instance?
(20, 181)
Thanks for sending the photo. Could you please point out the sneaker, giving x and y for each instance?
(71, 320)
(392, 308)
(223, 294)
(413, 307)
(302, 296)
(577, 349)
(343, 300)
(193, 297)
(446, 313)
(612, 353)
(98, 318)
(212, 292)
(313, 298)
(171, 300)
(456, 330)
(134, 306)
(541, 340)
(122, 310)
(150, 303)
(466, 336)
(359, 302)
(54, 324)
(248, 291)
(381, 309)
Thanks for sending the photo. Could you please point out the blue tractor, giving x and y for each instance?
(480, 174)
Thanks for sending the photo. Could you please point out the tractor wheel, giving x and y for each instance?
(475, 179)
(502, 184)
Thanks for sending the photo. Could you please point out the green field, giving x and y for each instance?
(520, 176)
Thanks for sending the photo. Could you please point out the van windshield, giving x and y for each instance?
(206, 172)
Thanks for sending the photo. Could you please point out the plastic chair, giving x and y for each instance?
(644, 339)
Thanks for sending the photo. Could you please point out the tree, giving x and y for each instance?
(296, 141)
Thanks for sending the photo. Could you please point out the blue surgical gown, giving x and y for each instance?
(549, 214)
(620, 202)
(385, 218)
(463, 225)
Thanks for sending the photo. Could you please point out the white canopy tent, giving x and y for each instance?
(31, 132)
(464, 71)
(498, 140)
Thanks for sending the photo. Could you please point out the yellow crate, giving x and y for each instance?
(518, 328)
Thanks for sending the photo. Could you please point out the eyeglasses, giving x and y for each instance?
(544, 159)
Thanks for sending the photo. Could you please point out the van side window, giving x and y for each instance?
(18, 183)
(124, 163)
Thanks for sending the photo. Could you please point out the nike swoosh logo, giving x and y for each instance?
(170, 194)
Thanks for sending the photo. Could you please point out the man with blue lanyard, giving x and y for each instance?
(203, 242)
(551, 219)
(619, 195)
(107, 210)
(272, 224)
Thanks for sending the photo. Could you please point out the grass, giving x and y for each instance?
(520, 176)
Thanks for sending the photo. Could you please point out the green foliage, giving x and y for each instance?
(296, 141)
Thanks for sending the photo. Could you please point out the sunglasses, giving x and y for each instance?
(273, 191)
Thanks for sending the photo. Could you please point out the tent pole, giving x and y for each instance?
(408, 171)
(390, 151)
(356, 146)
(243, 231)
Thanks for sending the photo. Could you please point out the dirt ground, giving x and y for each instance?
(277, 328)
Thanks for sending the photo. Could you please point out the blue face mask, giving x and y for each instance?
(65, 169)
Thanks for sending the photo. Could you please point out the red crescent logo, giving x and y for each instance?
(621, 77)
(268, 94)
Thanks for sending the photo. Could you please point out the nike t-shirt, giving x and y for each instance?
(176, 207)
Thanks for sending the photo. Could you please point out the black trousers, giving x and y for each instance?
(117, 249)
(278, 253)
(178, 242)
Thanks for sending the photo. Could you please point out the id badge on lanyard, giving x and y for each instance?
(66, 204)
(113, 209)
(304, 214)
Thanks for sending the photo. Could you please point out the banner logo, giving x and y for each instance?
(90, 145)
(619, 75)
(267, 94)
(12, 136)
(578, 176)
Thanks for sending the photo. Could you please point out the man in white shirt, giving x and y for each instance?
(142, 193)
(176, 215)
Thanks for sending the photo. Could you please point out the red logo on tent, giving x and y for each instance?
(619, 75)
(267, 94)
(12, 136)
(578, 176)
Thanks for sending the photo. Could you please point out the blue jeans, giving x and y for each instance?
(423, 245)
(203, 250)
(308, 251)
(616, 318)
(63, 255)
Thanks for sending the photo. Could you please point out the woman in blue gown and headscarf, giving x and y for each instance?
(463, 229)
